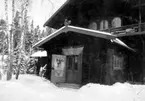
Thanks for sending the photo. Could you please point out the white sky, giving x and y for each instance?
(40, 10)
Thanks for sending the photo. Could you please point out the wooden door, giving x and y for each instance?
(74, 69)
(58, 70)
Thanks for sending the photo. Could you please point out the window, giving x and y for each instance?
(72, 62)
(117, 62)
(76, 63)
(69, 62)
(104, 24)
(116, 22)
(93, 26)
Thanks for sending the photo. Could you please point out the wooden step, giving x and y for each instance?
(68, 85)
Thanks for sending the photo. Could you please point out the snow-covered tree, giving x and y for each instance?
(3, 42)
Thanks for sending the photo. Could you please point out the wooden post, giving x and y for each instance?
(139, 8)
(143, 60)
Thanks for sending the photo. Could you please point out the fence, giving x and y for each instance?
(127, 29)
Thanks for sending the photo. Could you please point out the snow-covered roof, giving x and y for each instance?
(39, 54)
(85, 31)
(51, 19)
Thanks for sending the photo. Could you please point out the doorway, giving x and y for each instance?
(58, 69)
(73, 64)
(74, 69)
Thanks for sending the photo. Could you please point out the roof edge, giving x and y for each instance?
(59, 31)
(65, 3)
(85, 31)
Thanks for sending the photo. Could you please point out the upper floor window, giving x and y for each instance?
(93, 25)
(104, 24)
(116, 22)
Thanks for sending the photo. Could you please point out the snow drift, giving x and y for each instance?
(34, 88)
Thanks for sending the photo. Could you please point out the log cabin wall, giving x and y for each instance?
(124, 65)
(94, 58)
(94, 54)
(115, 66)
(103, 62)
(48, 69)
(135, 68)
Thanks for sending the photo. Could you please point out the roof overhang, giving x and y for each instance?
(130, 34)
(51, 36)
(82, 7)
(52, 18)
(84, 31)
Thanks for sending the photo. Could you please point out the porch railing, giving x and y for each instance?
(127, 29)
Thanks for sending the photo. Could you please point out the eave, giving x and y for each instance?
(130, 34)
(84, 31)
(51, 19)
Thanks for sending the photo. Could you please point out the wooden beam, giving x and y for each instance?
(90, 32)
(56, 13)
(137, 5)
(49, 37)
(84, 31)
(130, 34)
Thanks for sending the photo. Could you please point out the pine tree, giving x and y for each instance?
(28, 42)
(36, 35)
(25, 33)
(3, 41)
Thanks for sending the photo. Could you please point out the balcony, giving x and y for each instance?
(127, 30)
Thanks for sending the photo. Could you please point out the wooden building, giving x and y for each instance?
(99, 41)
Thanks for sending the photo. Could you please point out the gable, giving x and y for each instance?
(84, 31)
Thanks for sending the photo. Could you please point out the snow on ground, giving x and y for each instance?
(34, 88)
